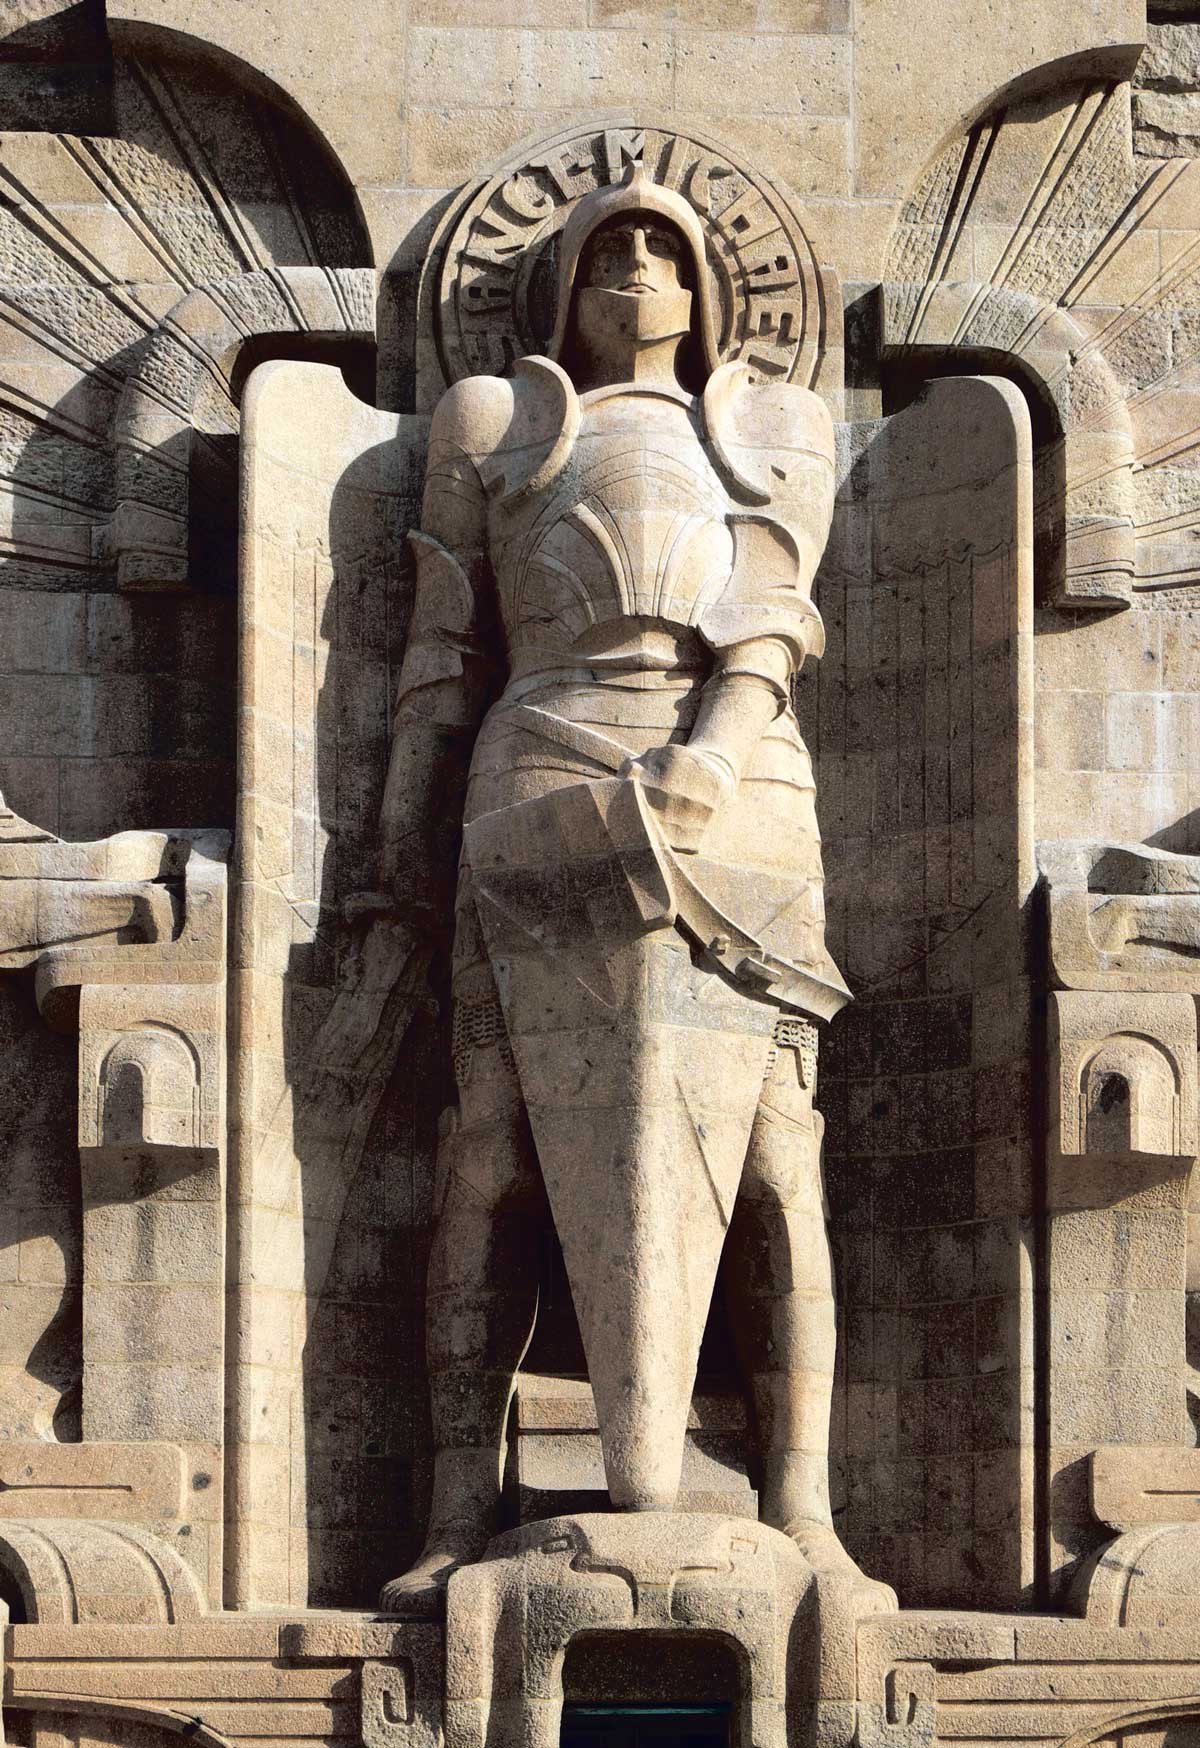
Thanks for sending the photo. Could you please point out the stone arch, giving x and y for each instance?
(148, 1091)
(1084, 468)
(179, 414)
(1129, 1097)
(1112, 1730)
(56, 1710)
(205, 62)
(227, 217)
(1105, 63)
(1000, 242)
(69, 1572)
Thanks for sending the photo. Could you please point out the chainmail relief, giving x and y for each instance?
(477, 1024)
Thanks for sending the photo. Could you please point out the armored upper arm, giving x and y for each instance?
(453, 644)
(774, 444)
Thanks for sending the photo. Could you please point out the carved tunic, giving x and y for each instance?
(584, 557)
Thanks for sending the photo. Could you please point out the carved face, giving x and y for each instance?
(637, 255)
(634, 288)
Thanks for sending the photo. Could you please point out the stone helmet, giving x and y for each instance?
(639, 193)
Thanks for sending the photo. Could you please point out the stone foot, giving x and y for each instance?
(421, 1591)
(819, 1544)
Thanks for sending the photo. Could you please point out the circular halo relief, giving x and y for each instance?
(498, 279)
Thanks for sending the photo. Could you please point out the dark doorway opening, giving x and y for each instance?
(646, 1726)
(653, 1689)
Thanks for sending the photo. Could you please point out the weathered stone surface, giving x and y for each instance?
(1147, 1485)
(328, 1224)
(1166, 122)
(91, 1480)
(224, 1394)
(927, 592)
(1122, 916)
(511, 1618)
(126, 940)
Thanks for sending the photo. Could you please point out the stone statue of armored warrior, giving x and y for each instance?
(613, 595)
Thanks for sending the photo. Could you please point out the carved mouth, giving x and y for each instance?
(638, 285)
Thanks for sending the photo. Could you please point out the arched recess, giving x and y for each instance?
(44, 1720)
(1175, 1723)
(1033, 236)
(1083, 459)
(133, 267)
(142, 269)
(149, 1090)
(916, 717)
(1129, 1098)
(177, 421)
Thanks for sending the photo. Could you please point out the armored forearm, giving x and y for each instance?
(748, 689)
(687, 784)
(422, 814)
(444, 687)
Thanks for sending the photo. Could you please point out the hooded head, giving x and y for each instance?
(638, 197)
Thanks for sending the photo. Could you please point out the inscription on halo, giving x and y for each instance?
(495, 296)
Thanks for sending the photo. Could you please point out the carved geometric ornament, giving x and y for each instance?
(496, 288)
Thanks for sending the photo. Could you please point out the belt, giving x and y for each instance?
(575, 736)
(668, 679)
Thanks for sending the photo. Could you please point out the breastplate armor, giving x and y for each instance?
(634, 527)
(628, 528)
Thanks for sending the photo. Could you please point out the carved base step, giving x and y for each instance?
(556, 1467)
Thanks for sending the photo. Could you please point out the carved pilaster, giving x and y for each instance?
(1122, 1139)
(126, 939)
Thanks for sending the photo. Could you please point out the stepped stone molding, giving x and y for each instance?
(222, 1680)
(928, 1678)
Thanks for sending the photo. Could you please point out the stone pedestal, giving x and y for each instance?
(550, 1593)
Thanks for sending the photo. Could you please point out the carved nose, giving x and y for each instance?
(641, 255)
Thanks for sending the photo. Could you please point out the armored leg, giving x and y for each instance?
(780, 1286)
(482, 1299)
(779, 1282)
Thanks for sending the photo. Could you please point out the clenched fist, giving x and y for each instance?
(684, 788)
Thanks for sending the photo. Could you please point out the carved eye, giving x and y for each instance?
(609, 250)
(660, 241)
